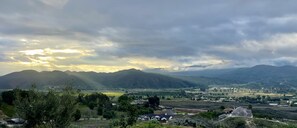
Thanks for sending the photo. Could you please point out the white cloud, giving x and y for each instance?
(171, 34)
(55, 3)
(282, 20)
(273, 49)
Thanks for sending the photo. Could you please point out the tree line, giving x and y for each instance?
(60, 108)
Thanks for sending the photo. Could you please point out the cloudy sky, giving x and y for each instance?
(173, 35)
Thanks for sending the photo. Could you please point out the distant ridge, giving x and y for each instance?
(131, 78)
(26, 78)
(265, 75)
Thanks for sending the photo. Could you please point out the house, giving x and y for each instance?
(273, 104)
(228, 110)
(138, 102)
(237, 112)
(15, 122)
(157, 117)
(241, 112)
(169, 112)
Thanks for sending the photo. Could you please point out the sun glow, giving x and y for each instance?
(49, 51)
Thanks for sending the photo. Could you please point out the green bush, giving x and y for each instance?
(236, 122)
(109, 114)
(210, 114)
(77, 115)
(52, 109)
(263, 123)
(8, 110)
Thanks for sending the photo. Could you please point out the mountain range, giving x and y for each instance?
(257, 76)
(264, 75)
(91, 80)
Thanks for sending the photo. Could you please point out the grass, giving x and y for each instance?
(198, 104)
(236, 122)
(272, 124)
(116, 94)
(8, 110)
(108, 93)
(90, 124)
(254, 94)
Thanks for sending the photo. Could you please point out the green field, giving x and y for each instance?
(116, 94)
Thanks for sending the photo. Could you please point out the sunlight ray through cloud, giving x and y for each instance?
(181, 36)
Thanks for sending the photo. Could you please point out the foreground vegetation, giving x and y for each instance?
(62, 108)
(253, 123)
(72, 108)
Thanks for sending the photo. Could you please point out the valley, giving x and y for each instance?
(191, 100)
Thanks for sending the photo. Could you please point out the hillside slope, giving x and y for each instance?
(90, 80)
(135, 78)
(25, 79)
(265, 75)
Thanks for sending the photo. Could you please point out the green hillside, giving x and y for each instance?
(90, 80)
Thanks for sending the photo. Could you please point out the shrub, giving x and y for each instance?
(77, 115)
(49, 109)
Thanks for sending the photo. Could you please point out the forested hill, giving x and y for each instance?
(91, 80)
(265, 75)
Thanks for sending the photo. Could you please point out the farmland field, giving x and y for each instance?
(258, 109)
(116, 94)
(254, 94)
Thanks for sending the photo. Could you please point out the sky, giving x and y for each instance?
(171, 35)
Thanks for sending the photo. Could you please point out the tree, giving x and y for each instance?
(141, 110)
(80, 98)
(91, 105)
(154, 102)
(77, 115)
(8, 97)
(1, 101)
(132, 115)
(122, 122)
(124, 102)
(108, 114)
(95, 100)
(250, 107)
(99, 110)
(49, 109)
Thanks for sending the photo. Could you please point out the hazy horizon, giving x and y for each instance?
(156, 70)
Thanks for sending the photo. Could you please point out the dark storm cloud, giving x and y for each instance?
(229, 30)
